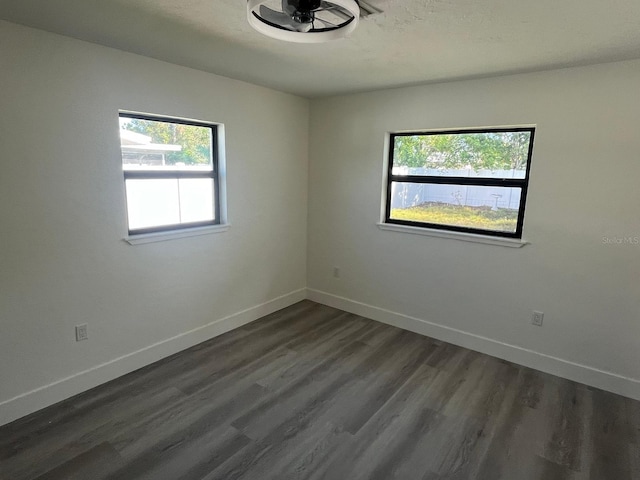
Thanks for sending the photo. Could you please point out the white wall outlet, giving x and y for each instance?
(81, 332)
(336, 272)
(537, 318)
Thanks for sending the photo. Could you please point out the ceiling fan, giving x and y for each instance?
(307, 21)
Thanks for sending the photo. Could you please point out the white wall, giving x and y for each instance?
(584, 186)
(62, 216)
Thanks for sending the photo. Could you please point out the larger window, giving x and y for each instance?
(472, 181)
(170, 173)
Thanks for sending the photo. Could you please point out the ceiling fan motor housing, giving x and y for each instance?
(305, 5)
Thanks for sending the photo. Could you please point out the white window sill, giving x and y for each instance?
(175, 234)
(465, 237)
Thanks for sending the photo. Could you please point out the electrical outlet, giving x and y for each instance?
(336, 272)
(537, 318)
(81, 332)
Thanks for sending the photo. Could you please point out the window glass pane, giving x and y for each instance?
(470, 206)
(478, 154)
(196, 200)
(152, 202)
(157, 145)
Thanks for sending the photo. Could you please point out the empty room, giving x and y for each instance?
(304, 239)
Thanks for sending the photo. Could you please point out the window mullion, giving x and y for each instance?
(473, 181)
(168, 174)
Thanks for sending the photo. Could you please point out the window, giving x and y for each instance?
(472, 181)
(170, 172)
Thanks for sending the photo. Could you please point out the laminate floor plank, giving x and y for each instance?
(309, 450)
(390, 436)
(59, 445)
(328, 331)
(609, 431)
(307, 360)
(231, 359)
(92, 463)
(383, 376)
(569, 405)
(633, 419)
(188, 420)
(34, 425)
(511, 452)
(189, 454)
(315, 393)
(531, 387)
(487, 409)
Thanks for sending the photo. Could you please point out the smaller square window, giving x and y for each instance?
(170, 171)
(472, 181)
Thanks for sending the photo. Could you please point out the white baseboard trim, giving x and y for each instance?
(42, 397)
(612, 382)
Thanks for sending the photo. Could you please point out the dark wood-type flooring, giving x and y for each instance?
(311, 392)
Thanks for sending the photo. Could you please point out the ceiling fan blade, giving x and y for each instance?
(283, 20)
(288, 8)
(274, 16)
(367, 9)
(327, 23)
(335, 10)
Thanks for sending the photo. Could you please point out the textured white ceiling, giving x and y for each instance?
(411, 42)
